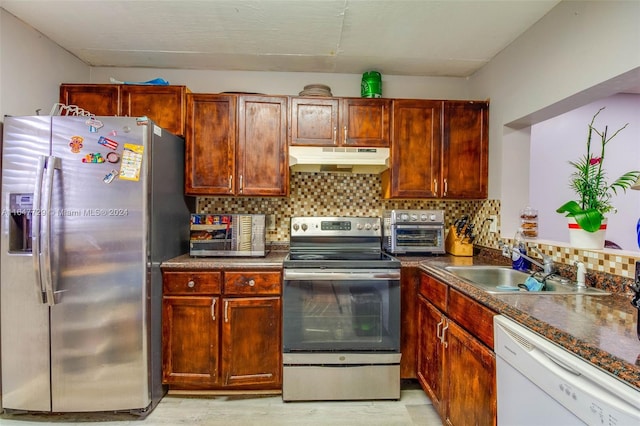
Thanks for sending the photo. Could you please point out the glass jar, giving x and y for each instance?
(529, 222)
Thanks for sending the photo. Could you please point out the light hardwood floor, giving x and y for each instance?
(413, 408)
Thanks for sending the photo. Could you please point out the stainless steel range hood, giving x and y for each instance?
(371, 160)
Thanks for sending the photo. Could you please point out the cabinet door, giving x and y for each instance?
(471, 380)
(365, 122)
(415, 150)
(190, 341)
(430, 351)
(314, 121)
(409, 279)
(251, 348)
(165, 105)
(465, 149)
(262, 161)
(98, 99)
(210, 144)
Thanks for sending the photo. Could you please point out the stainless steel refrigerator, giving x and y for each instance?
(90, 207)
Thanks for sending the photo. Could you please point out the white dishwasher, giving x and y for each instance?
(540, 383)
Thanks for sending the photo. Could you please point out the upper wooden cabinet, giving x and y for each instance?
(262, 159)
(210, 144)
(98, 99)
(236, 145)
(165, 105)
(340, 121)
(439, 149)
(465, 151)
(416, 148)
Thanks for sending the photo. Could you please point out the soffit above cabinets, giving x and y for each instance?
(418, 37)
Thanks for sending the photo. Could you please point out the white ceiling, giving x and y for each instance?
(397, 37)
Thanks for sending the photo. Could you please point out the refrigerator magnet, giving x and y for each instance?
(131, 162)
(110, 177)
(108, 143)
(76, 144)
(113, 157)
(93, 124)
(93, 158)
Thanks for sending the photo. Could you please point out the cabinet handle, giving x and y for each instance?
(230, 183)
(439, 331)
(226, 311)
(443, 338)
(251, 283)
(335, 135)
(241, 187)
(345, 134)
(446, 187)
(191, 284)
(213, 309)
(435, 184)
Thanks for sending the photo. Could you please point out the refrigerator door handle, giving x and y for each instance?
(53, 164)
(35, 226)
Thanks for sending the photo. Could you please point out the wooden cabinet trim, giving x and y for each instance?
(476, 318)
(434, 291)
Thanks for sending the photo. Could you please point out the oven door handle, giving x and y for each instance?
(327, 275)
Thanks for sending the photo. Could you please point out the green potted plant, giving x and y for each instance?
(589, 181)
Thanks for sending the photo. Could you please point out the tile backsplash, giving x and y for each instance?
(346, 194)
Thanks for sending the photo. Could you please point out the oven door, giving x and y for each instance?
(341, 310)
(418, 239)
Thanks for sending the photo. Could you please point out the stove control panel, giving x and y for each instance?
(336, 226)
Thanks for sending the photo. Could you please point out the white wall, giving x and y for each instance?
(561, 139)
(289, 83)
(579, 52)
(32, 68)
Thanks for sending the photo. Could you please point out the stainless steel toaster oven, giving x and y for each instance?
(413, 231)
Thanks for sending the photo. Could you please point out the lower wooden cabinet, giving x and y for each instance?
(470, 372)
(430, 351)
(251, 342)
(221, 330)
(455, 367)
(190, 340)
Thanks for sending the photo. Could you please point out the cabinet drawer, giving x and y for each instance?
(191, 282)
(252, 282)
(434, 291)
(472, 316)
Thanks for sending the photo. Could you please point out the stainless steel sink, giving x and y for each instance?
(502, 279)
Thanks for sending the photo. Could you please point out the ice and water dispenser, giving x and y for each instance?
(21, 214)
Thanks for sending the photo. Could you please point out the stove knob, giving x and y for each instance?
(424, 218)
(414, 217)
(304, 226)
(296, 226)
(376, 226)
(432, 218)
(359, 226)
(404, 217)
(367, 226)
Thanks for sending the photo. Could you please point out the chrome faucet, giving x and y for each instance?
(547, 261)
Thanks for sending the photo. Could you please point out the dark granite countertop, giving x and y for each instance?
(600, 329)
(273, 260)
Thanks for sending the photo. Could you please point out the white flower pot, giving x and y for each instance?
(579, 238)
